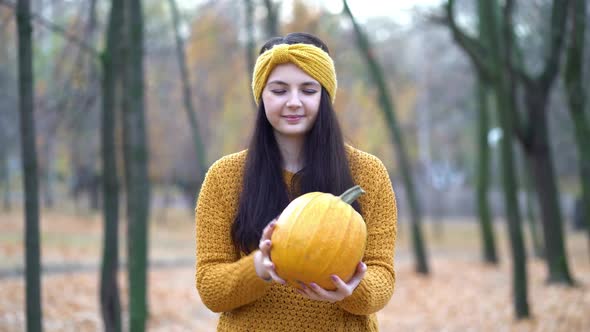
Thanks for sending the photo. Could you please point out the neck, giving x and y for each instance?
(291, 151)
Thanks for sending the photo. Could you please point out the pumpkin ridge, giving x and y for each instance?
(289, 231)
(361, 231)
(306, 199)
(336, 252)
(316, 234)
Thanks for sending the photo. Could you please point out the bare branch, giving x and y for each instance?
(57, 29)
(437, 18)
(558, 19)
(513, 72)
(472, 47)
(516, 70)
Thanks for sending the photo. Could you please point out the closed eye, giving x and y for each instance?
(278, 92)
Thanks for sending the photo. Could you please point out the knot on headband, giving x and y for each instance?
(311, 59)
(280, 54)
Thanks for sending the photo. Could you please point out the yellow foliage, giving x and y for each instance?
(304, 18)
(363, 124)
(405, 97)
(167, 120)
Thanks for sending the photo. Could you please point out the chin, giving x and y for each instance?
(293, 133)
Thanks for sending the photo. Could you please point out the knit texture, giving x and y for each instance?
(227, 281)
(311, 59)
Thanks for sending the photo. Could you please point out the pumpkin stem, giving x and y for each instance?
(352, 194)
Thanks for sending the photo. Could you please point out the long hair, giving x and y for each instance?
(325, 166)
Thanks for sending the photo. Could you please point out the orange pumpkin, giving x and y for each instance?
(318, 235)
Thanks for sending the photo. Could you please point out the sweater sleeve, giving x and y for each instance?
(376, 288)
(223, 279)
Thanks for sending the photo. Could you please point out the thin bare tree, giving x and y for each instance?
(186, 91)
(387, 108)
(110, 303)
(135, 147)
(26, 84)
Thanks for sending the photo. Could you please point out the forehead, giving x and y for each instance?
(290, 73)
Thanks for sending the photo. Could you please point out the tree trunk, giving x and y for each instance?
(535, 140)
(539, 155)
(574, 83)
(519, 274)
(490, 64)
(501, 48)
(582, 130)
(532, 218)
(5, 180)
(513, 55)
(483, 177)
(397, 140)
(136, 167)
(250, 47)
(47, 178)
(188, 103)
(272, 20)
(111, 67)
(29, 161)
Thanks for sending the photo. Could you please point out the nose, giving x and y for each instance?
(294, 101)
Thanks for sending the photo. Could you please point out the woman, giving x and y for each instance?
(297, 147)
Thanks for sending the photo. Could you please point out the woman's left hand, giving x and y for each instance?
(315, 292)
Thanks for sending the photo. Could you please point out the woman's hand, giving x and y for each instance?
(343, 290)
(265, 268)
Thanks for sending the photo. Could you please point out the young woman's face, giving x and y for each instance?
(291, 99)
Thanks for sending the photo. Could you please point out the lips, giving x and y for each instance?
(293, 119)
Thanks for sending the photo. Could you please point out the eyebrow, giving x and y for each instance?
(284, 83)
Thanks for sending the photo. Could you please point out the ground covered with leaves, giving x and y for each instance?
(460, 294)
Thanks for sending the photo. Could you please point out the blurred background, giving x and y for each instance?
(477, 108)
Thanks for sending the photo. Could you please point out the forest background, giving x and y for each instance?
(197, 60)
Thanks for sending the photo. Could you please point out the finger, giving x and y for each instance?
(264, 247)
(267, 232)
(308, 292)
(340, 285)
(270, 267)
(361, 269)
(325, 295)
(306, 295)
(274, 275)
(267, 263)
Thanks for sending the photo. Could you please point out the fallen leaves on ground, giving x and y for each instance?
(460, 295)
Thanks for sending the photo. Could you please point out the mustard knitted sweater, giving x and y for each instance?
(227, 282)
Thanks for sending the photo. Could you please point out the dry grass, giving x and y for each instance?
(461, 294)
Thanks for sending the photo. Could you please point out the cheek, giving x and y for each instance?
(271, 102)
(269, 105)
(271, 109)
(314, 106)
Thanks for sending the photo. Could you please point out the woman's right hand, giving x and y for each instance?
(265, 268)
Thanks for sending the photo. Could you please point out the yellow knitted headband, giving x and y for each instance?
(311, 59)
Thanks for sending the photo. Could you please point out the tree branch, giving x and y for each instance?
(272, 24)
(573, 73)
(514, 72)
(558, 19)
(57, 29)
(471, 46)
